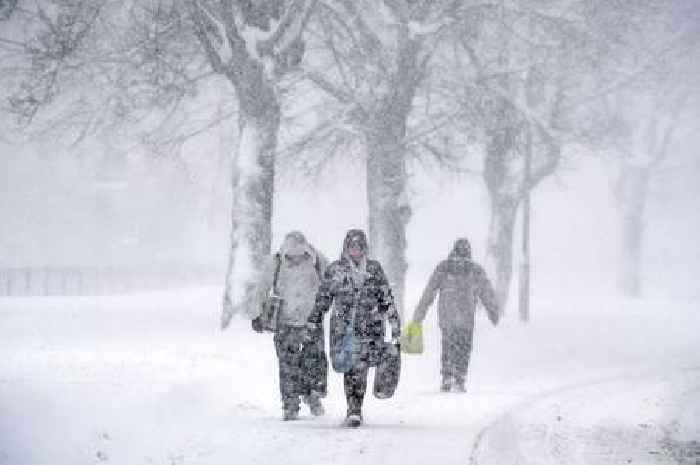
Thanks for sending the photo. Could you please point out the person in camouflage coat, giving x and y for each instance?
(360, 293)
(460, 282)
(303, 366)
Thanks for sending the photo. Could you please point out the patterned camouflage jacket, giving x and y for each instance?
(357, 291)
(460, 282)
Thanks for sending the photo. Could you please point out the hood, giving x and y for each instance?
(355, 235)
(461, 250)
(295, 243)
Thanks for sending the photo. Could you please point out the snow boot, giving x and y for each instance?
(446, 384)
(315, 405)
(290, 414)
(291, 410)
(353, 419)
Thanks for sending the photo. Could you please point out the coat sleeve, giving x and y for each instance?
(322, 263)
(486, 294)
(386, 303)
(324, 297)
(429, 293)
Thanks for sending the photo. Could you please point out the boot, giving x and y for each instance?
(290, 414)
(446, 384)
(291, 410)
(353, 419)
(315, 405)
(354, 416)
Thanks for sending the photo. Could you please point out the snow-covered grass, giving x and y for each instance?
(150, 379)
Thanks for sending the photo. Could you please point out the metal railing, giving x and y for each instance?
(48, 281)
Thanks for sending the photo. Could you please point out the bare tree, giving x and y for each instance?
(104, 63)
(373, 58)
(253, 44)
(650, 74)
(518, 69)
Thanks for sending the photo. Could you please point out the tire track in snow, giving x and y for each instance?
(502, 422)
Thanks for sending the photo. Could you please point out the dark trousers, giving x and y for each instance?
(355, 383)
(303, 368)
(355, 380)
(456, 350)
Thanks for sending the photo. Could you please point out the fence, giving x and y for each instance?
(47, 281)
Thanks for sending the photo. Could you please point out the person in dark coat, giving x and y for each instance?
(361, 297)
(461, 282)
(294, 274)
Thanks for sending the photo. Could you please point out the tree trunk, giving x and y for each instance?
(389, 210)
(524, 294)
(253, 188)
(387, 177)
(500, 244)
(504, 184)
(633, 187)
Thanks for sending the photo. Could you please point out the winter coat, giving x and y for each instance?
(359, 293)
(297, 283)
(460, 282)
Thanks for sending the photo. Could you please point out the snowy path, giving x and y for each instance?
(149, 379)
(644, 419)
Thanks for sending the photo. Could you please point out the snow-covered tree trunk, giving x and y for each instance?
(253, 45)
(499, 247)
(252, 180)
(503, 183)
(506, 184)
(387, 176)
(654, 123)
(633, 189)
(518, 128)
(381, 65)
(389, 210)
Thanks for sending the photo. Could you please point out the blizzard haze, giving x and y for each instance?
(153, 155)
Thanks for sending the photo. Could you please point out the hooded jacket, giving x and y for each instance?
(460, 282)
(297, 280)
(360, 294)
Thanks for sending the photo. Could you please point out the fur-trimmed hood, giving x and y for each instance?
(295, 243)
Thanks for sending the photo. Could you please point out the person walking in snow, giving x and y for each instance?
(460, 282)
(362, 301)
(293, 274)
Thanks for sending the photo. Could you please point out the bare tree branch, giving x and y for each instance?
(201, 17)
(288, 29)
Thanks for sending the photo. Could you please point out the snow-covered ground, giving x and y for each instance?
(150, 379)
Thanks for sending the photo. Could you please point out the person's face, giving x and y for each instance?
(295, 259)
(355, 251)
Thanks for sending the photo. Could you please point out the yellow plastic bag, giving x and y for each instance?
(412, 338)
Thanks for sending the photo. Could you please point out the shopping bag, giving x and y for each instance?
(270, 312)
(386, 375)
(412, 338)
(344, 344)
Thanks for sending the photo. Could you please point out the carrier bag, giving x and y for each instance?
(386, 375)
(412, 338)
(344, 344)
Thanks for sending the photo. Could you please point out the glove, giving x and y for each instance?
(311, 332)
(395, 346)
(256, 324)
(494, 316)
